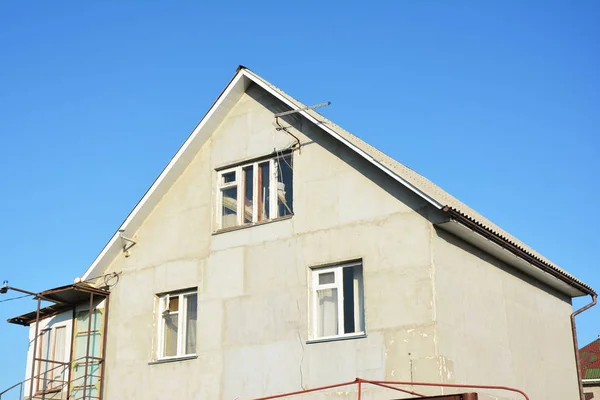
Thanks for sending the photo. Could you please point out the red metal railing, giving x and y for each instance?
(388, 384)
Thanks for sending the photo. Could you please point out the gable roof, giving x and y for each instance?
(544, 270)
(590, 360)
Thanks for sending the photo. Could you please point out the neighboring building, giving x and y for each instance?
(590, 369)
(275, 254)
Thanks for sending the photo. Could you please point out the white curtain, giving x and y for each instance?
(327, 318)
(191, 323)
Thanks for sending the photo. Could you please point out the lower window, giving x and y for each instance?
(178, 317)
(337, 301)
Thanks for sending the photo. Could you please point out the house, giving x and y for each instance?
(278, 253)
(590, 369)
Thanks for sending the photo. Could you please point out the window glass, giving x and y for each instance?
(229, 212)
(264, 191)
(284, 186)
(327, 312)
(228, 177)
(174, 304)
(248, 173)
(327, 277)
(191, 323)
(171, 328)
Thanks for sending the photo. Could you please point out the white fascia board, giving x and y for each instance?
(489, 247)
(178, 163)
(333, 133)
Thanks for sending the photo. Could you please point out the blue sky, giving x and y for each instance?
(497, 103)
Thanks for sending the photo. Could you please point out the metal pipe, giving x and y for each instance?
(13, 386)
(37, 295)
(359, 390)
(104, 339)
(281, 114)
(87, 349)
(277, 396)
(398, 389)
(74, 322)
(452, 385)
(576, 345)
(281, 128)
(35, 340)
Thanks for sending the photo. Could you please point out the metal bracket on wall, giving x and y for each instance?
(126, 243)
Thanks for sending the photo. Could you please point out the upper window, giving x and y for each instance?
(255, 192)
(338, 301)
(178, 315)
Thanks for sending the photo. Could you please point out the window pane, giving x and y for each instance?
(353, 299)
(248, 173)
(228, 177)
(263, 191)
(174, 304)
(191, 323)
(328, 277)
(348, 274)
(284, 186)
(229, 212)
(170, 333)
(327, 312)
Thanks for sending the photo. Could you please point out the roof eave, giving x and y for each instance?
(479, 236)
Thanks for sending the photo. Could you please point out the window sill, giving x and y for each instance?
(246, 226)
(173, 359)
(358, 335)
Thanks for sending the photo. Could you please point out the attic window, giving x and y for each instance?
(255, 192)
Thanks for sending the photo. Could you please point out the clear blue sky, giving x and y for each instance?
(498, 103)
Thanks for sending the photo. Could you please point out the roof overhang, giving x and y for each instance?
(505, 251)
(64, 297)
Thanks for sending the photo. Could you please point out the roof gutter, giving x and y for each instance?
(576, 345)
(516, 250)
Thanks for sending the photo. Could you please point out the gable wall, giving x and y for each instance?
(252, 283)
(518, 329)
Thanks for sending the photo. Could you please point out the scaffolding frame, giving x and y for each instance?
(66, 298)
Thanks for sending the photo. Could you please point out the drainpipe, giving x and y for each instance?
(575, 344)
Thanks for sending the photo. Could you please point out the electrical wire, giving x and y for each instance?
(16, 298)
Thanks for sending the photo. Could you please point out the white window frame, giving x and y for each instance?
(338, 284)
(163, 305)
(273, 211)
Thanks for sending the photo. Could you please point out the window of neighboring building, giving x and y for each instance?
(178, 315)
(52, 359)
(338, 301)
(255, 192)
